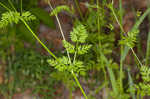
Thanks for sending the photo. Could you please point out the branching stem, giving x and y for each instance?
(121, 27)
(62, 33)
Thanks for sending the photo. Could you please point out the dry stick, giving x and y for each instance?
(74, 75)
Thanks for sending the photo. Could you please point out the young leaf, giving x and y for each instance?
(14, 17)
(27, 16)
(130, 39)
(9, 18)
(79, 34)
(69, 47)
(83, 49)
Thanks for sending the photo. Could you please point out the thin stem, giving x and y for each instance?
(121, 61)
(148, 40)
(121, 11)
(75, 55)
(76, 79)
(136, 56)
(99, 42)
(4, 6)
(12, 5)
(70, 93)
(38, 39)
(21, 6)
(78, 83)
(60, 29)
(78, 7)
(121, 27)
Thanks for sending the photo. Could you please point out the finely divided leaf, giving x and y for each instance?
(83, 49)
(79, 34)
(69, 47)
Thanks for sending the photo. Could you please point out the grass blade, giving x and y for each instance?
(131, 86)
(148, 45)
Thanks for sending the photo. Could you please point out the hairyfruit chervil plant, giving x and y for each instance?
(127, 42)
(78, 36)
(129, 39)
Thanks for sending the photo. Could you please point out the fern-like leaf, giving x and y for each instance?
(83, 49)
(63, 65)
(9, 18)
(79, 34)
(27, 16)
(131, 38)
(145, 72)
(14, 17)
(69, 47)
(144, 86)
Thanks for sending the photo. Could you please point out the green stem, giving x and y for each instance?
(123, 32)
(12, 5)
(21, 7)
(78, 83)
(76, 79)
(99, 42)
(75, 54)
(148, 41)
(38, 39)
(4, 6)
(121, 61)
(78, 7)
(70, 93)
(61, 31)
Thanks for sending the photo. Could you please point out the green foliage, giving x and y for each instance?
(100, 35)
(29, 70)
(9, 18)
(83, 49)
(43, 16)
(144, 86)
(27, 16)
(145, 72)
(63, 64)
(79, 34)
(130, 39)
(69, 47)
(58, 9)
(15, 17)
